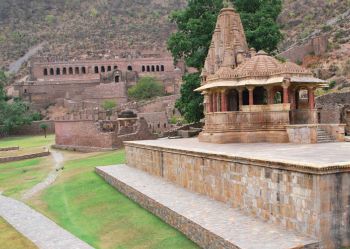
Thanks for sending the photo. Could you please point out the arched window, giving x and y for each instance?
(83, 70)
(116, 79)
(25, 90)
(51, 71)
(129, 68)
(157, 68)
(148, 69)
(77, 71)
(96, 69)
(58, 71)
(103, 69)
(153, 69)
(115, 67)
(64, 71)
(162, 68)
(164, 125)
(109, 68)
(45, 71)
(143, 68)
(70, 70)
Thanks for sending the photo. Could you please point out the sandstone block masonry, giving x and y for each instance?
(311, 200)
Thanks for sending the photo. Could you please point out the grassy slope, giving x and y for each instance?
(84, 204)
(10, 238)
(16, 177)
(27, 141)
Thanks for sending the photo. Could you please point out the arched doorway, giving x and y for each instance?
(260, 96)
(232, 97)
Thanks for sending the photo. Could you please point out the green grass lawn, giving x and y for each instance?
(11, 239)
(87, 206)
(27, 141)
(15, 177)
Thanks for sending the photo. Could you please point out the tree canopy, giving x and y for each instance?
(146, 88)
(12, 114)
(196, 24)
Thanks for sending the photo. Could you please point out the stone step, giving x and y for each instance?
(209, 223)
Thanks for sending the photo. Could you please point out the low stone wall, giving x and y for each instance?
(23, 157)
(34, 129)
(309, 200)
(307, 134)
(9, 148)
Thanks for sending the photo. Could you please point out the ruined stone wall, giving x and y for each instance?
(82, 133)
(317, 45)
(157, 121)
(335, 108)
(287, 195)
(34, 129)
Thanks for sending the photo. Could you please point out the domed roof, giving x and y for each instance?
(290, 67)
(260, 65)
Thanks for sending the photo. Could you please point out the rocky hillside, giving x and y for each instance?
(82, 28)
(301, 20)
(98, 28)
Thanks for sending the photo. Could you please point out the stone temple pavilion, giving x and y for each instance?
(247, 195)
(253, 97)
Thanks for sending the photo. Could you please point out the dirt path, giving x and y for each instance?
(58, 161)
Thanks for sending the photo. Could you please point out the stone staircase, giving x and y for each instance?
(323, 136)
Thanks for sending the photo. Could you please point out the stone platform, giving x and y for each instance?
(209, 223)
(301, 188)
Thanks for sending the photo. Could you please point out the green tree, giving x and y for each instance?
(146, 88)
(44, 127)
(190, 103)
(12, 114)
(108, 106)
(196, 24)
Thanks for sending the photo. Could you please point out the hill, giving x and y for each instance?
(82, 28)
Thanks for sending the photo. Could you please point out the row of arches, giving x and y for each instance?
(153, 68)
(64, 71)
(80, 70)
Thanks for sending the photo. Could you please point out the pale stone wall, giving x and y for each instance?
(288, 195)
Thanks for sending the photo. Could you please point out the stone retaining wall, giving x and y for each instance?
(302, 199)
(9, 148)
(24, 157)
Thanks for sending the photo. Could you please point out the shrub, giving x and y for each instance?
(146, 88)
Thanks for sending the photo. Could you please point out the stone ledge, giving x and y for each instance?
(197, 216)
(81, 148)
(303, 167)
(9, 148)
(23, 157)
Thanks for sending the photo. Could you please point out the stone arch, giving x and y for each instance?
(278, 96)
(83, 70)
(58, 71)
(245, 95)
(77, 70)
(232, 97)
(162, 68)
(153, 69)
(45, 72)
(64, 71)
(96, 69)
(117, 79)
(103, 69)
(109, 68)
(52, 72)
(143, 69)
(115, 67)
(70, 69)
(148, 69)
(157, 68)
(129, 68)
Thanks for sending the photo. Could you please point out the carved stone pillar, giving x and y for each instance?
(293, 104)
(223, 101)
(210, 102)
(311, 93)
(240, 98)
(215, 102)
(285, 86)
(251, 95)
(270, 95)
